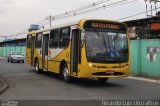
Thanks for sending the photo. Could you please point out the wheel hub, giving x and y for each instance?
(65, 73)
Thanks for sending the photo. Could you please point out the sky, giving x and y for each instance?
(17, 15)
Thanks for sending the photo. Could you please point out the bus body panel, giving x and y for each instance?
(28, 56)
(56, 57)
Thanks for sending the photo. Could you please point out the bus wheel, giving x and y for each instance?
(36, 67)
(65, 74)
(102, 80)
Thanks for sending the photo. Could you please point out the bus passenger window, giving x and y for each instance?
(54, 38)
(38, 41)
(64, 38)
(29, 41)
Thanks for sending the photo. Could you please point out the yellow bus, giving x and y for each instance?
(87, 48)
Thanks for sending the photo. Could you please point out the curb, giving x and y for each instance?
(144, 79)
(4, 86)
(3, 58)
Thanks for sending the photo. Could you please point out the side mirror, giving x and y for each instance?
(82, 39)
(82, 36)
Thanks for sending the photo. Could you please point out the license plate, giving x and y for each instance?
(109, 72)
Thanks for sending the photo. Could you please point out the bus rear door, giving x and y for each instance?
(45, 51)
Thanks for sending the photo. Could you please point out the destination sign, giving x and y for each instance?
(103, 25)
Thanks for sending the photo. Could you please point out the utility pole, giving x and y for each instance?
(50, 20)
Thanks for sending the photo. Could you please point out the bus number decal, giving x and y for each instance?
(67, 55)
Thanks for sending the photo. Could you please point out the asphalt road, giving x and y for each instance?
(25, 84)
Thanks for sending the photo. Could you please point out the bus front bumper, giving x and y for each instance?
(113, 71)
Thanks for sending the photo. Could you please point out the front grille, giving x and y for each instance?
(108, 74)
(122, 66)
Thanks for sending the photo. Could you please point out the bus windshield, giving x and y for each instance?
(106, 46)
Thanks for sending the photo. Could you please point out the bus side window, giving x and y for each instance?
(38, 41)
(54, 38)
(64, 37)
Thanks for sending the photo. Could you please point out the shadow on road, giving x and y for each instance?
(95, 83)
(84, 82)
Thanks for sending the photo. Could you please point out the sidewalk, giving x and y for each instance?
(3, 85)
(3, 57)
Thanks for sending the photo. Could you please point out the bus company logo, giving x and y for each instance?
(67, 55)
(103, 25)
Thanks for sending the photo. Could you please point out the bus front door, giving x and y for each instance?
(45, 52)
(75, 51)
(32, 51)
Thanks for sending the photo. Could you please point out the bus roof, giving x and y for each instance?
(59, 25)
(77, 22)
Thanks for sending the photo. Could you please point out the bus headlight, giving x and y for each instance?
(90, 65)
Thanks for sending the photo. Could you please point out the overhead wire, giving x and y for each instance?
(93, 9)
(136, 14)
(85, 9)
(114, 4)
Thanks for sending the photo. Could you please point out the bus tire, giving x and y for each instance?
(65, 74)
(36, 67)
(102, 80)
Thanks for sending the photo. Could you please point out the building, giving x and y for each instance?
(145, 46)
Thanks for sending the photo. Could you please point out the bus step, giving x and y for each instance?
(44, 69)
